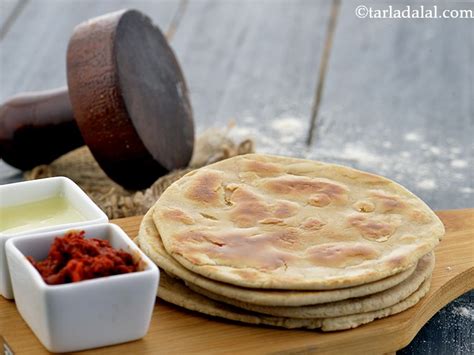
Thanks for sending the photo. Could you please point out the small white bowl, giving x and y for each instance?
(86, 314)
(37, 190)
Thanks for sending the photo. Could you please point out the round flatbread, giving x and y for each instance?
(175, 292)
(351, 306)
(271, 222)
(152, 246)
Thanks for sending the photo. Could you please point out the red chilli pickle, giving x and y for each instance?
(73, 258)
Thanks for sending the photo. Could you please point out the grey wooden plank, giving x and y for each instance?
(255, 62)
(8, 8)
(32, 55)
(398, 101)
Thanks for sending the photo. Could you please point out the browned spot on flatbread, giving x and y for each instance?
(377, 230)
(193, 244)
(272, 220)
(284, 209)
(246, 274)
(312, 223)
(262, 168)
(341, 254)
(396, 261)
(175, 214)
(387, 202)
(199, 238)
(304, 186)
(204, 188)
(264, 251)
(287, 239)
(319, 200)
(418, 216)
(248, 208)
(364, 206)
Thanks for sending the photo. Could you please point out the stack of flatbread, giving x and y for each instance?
(292, 243)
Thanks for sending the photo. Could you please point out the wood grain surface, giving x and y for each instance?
(255, 63)
(42, 54)
(9, 10)
(175, 330)
(398, 100)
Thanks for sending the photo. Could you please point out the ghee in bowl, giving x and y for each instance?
(38, 214)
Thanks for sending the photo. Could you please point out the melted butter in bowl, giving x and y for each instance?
(38, 214)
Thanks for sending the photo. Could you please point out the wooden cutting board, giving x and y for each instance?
(178, 331)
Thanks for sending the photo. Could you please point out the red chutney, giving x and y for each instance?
(73, 258)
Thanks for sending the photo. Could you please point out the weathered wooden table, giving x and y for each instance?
(303, 78)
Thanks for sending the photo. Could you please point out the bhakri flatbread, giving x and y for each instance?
(352, 306)
(152, 246)
(262, 221)
(175, 292)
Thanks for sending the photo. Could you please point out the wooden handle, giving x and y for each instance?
(36, 128)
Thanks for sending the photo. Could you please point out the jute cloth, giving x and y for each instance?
(80, 166)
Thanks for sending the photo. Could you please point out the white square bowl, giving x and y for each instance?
(86, 314)
(37, 190)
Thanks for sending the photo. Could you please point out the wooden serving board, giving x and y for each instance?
(178, 331)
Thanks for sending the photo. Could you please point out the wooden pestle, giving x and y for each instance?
(127, 101)
(36, 128)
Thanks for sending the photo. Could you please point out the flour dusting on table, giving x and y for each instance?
(464, 311)
(412, 137)
(458, 163)
(421, 165)
(426, 184)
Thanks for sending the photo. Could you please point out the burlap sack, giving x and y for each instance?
(80, 166)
